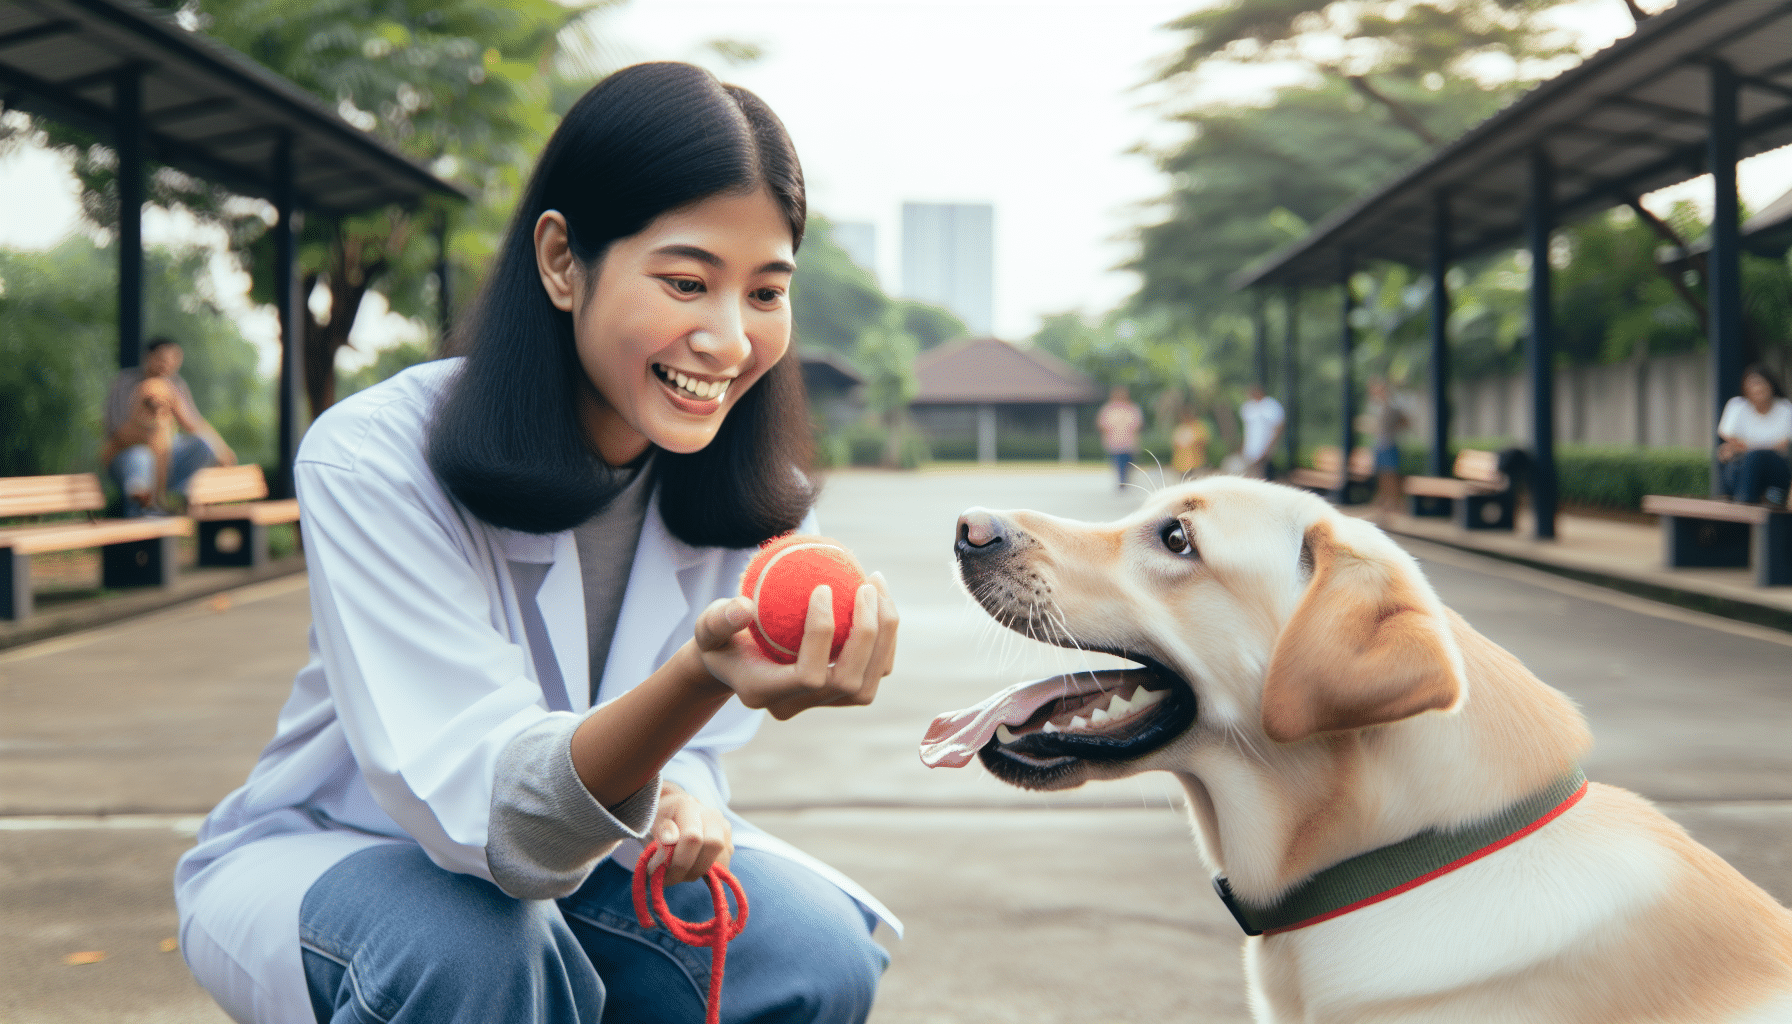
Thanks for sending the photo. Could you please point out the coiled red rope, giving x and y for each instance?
(715, 933)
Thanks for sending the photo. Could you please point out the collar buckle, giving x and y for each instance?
(1224, 888)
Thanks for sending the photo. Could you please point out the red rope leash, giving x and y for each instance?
(715, 933)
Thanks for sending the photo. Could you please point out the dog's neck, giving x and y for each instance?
(1272, 816)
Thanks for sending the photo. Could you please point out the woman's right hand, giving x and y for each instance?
(730, 655)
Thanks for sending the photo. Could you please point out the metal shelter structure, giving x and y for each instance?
(1695, 89)
(157, 92)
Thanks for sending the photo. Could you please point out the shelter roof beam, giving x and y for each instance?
(37, 32)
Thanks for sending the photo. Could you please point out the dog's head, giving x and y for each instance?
(1255, 612)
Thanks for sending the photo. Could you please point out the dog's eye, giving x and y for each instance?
(1176, 538)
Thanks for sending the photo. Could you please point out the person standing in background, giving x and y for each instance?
(1120, 422)
(1387, 423)
(1188, 444)
(1262, 417)
(141, 451)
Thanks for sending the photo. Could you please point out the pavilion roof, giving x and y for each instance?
(207, 109)
(1630, 119)
(989, 371)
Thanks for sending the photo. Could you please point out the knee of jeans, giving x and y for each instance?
(839, 977)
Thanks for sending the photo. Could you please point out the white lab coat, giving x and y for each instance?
(420, 673)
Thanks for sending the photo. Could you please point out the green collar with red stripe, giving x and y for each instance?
(1391, 870)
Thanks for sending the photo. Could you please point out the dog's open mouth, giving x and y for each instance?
(1032, 732)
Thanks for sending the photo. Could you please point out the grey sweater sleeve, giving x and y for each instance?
(547, 831)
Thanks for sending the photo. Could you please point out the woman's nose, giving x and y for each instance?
(725, 342)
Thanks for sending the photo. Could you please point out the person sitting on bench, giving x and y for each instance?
(1755, 432)
(142, 450)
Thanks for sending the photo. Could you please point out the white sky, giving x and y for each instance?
(1027, 104)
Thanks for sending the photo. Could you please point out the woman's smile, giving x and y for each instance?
(692, 393)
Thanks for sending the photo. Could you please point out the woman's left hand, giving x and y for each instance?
(692, 834)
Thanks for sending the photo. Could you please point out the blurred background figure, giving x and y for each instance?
(1120, 422)
(1754, 433)
(1188, 444)
(144, 451)
(1262, 417)
(1387, 421)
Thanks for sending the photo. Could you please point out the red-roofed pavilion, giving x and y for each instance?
(974, 378)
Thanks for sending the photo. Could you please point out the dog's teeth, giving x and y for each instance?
(1098, 716)
(1004, 735)
(1078, 722)
(1119, 706)
(1049, 727)
(1146, 698)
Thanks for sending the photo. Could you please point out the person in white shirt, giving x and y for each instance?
(1754, 433)
(527, 645)
(1262, 417)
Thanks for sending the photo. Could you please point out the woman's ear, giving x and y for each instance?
(1367, 645)
(554, 259)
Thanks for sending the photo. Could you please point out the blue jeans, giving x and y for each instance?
(1748, 476)
(135, 469)
(390, 937)
(1122, 462)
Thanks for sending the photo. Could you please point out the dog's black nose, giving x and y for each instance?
(980, 533)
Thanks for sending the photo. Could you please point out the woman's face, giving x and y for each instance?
(1756, 389)
(674, 324)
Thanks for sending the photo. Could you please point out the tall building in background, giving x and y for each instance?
(948, 258)
(859, 239)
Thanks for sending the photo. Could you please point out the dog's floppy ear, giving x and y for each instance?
(1367, 645)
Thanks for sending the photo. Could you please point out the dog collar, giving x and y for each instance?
(1391, 870)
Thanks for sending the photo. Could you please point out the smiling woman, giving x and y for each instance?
(528, 647)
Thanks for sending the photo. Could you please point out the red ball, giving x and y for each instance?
(780, 579)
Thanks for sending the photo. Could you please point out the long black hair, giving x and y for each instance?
(506, 440)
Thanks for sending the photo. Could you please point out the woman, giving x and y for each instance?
(1753, 434)
(525, 649)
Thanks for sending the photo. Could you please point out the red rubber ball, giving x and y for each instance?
(780, 579)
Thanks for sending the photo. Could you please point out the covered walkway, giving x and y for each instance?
(1695, 89)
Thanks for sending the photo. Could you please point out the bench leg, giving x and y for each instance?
(1427, 506)
(15, 585)
(1772, 554)
(141, 563)
(1688, 543)
(1487, 511)
(234, 542)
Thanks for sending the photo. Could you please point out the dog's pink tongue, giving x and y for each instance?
(955, 737)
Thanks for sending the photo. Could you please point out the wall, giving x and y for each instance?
(1662, 401)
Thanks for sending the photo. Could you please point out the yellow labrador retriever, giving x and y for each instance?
(1390, 801)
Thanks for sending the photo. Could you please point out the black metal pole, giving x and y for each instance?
(1346, 377)
(444, 285)
(1291, 374)
(288, 303)
(1260, 341)
(1724, 305)
(128, 124)
(1540, 347)
(1438, 461)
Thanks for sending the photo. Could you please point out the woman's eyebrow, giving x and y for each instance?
(702, 255)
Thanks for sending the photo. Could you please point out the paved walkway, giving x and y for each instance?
(1080, 906)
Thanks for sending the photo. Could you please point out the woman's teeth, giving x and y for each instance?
(699, 389)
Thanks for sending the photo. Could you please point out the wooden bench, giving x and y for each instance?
(226, 502)
(1323, 478)
(1479, 493)
(133, 552)
(1709, 532)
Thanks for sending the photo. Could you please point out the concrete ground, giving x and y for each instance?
(1086, 906)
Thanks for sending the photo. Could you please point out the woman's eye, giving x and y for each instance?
(767, 295)
(1176, 539)
(685, 285)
